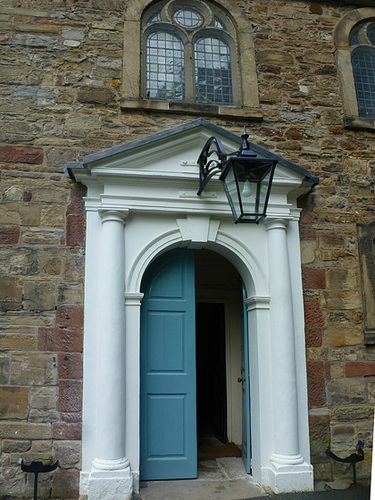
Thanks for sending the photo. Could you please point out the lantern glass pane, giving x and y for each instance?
(230, 186)
(253, 180)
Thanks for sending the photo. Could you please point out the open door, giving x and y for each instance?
(245, 379)
(168, 380)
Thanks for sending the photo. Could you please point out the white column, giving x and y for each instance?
(110, 476)
(286, 441)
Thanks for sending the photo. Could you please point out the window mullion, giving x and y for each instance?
(189, 71)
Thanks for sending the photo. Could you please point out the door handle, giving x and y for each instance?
(240, 380)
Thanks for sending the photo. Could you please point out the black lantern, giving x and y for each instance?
(246, 179)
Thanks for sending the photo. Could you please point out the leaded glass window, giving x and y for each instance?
(362, 43)
(189, 53)
(213, 77)
(165, 67)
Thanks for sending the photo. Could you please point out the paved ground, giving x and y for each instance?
(359, 493)
(218, 479)
(225, 479)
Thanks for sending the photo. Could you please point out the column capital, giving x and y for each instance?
(113, 215)
(278, 223)
(133, 298)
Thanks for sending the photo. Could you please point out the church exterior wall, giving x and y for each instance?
(61, 85)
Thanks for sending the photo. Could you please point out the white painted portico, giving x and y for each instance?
(141, 201)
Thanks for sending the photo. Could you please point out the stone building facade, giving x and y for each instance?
(69, 86)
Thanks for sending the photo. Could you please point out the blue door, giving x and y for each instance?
(168, 379)
(246, 444)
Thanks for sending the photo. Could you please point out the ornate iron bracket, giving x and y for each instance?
(37, 468)
(353, 459)
(209, 167)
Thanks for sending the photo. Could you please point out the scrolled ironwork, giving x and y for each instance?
(209, 167)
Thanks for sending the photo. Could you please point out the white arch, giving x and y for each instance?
(234, 250)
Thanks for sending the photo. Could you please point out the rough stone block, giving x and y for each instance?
(313, 314)
(21, 154)
(43, 398)
(12, 482)
(17, 214)
(75, 266)
(308, 249)
(81, 125)
(337, 370)
(68, 453)
(40, 295)
(65, 484)
(70, 365)
(330, 117)
(53, 216)
(70, 396)
(43, 415)
(347, 391)
(4, 369)
(14, 342)
(313, 278)
(313, 337)
(60, 339)
(343, 437)
(9, 235)
(371, 391)
(275, 57)
(25, 430)
(338, 278)
(16, 445)
(352, 413)
(33, 368)
(70, 294)
(57, 196)
(330, 241)
(75, 231)
(20, 261)
(360, 369)
(52, 261)
(99, 95)
(340, 336)
(67, 431)
(341, 299)
(316, 383)
(69, 316)
(10, 293)
(13, 402)
(319, 436)
(42, 237)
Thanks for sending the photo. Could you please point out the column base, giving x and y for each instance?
(291, 478)
(112, 483)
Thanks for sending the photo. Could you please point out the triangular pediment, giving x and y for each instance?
(174, 152)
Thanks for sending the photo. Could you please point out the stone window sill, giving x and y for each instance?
(355, 122)
(193, 109)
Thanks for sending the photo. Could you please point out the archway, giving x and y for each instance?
(208, 407)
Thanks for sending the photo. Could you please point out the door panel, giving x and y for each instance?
(168, 380)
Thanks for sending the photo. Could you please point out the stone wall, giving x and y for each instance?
(60, 91)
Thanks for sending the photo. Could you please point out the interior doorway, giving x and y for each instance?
(211, 372)
(218, 356)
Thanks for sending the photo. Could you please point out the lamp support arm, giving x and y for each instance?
(209, 167)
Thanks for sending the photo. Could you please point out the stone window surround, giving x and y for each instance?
(344, 67)
(131, 92)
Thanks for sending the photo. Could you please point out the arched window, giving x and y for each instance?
(189, 54)
(362, 43)
(354, 40)
(196, 57)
